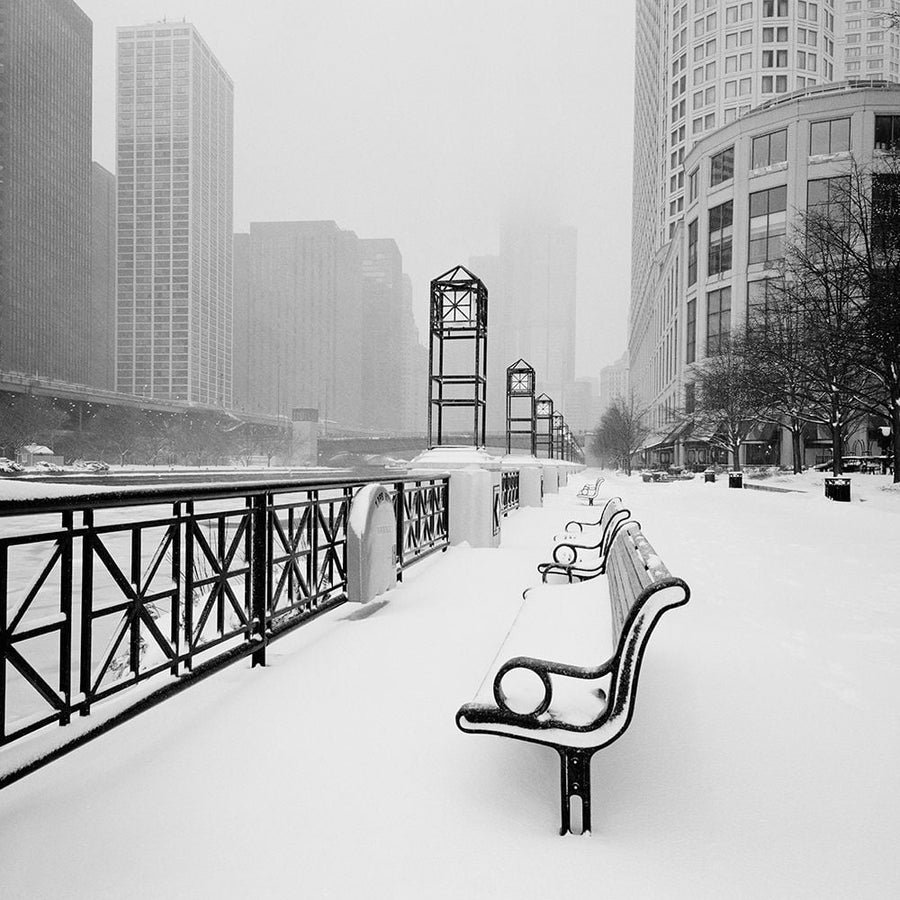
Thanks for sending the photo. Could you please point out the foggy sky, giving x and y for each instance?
(428, 121)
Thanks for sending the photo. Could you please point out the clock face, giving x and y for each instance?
(456, 307)
(544, 407)
(521, 383)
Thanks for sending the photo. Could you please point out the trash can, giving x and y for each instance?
(837, 488)
(735, 479)
(709, 477)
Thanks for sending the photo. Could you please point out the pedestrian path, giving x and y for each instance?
(760, 762)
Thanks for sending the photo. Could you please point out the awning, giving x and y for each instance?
(652, 440)
(702, 433)
(763, 433)
(681, 429)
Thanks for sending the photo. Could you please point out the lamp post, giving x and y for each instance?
(885, 449)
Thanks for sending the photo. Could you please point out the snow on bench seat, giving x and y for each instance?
(566, 674)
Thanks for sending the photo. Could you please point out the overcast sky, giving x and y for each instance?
(427, 121)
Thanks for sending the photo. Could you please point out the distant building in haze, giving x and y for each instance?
(531, 311)
(102, 322)
(323, 319)
(613, 383)
(45, 189)
(174, 105)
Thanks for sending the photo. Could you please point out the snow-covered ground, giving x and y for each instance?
(761, 762)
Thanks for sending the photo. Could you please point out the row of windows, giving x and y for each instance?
(826, 138)
(768, 220)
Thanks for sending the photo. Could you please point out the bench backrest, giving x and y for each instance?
(641, 588)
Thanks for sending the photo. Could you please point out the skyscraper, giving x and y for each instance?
(869, 47)
(699, 65)
(175, 162)
(102, 322)
(45, 189)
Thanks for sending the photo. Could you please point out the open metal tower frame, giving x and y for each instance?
(459, 305)
(520, 389)
(543, 428)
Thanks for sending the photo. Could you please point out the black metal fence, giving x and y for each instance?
(103, 592)
(509, 490)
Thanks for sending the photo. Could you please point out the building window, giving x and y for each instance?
(718, 320)
(761, 296)
(769, 149)
(828, 137)
(721, 167)
(772, 8)
(828, 196)
(693, 185)
(690, 346)
(887, 133)
(692, 253)
(768, 222)
(690, 398)
(720, 235)
(886, 212)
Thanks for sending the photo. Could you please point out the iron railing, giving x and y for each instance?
(101, 592)
(509, 490)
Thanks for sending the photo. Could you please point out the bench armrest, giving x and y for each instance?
(543, 669)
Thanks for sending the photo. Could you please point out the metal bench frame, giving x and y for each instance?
(570, 557)
(641, 589)
(589, 492)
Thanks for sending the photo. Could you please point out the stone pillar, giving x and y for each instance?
(304, 436)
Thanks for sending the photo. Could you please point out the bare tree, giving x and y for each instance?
(841, 283)
(621, 431)
(727, 403)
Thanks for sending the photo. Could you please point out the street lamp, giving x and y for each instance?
(885, 450)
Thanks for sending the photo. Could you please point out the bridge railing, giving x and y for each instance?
(102, 592)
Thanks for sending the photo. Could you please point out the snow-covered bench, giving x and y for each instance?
(589, 492)
(580, 552)
(566, 674)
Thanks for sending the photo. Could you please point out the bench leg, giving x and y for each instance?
(575, 781)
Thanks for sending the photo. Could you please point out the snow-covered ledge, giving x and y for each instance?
(550, 471)
(530, 478)
(474, 480)
(371, 544)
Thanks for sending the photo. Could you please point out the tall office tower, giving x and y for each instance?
(501, 340)
(414, 360)
(174, 139)
(382, 304)
(102, 328)
(538, 269)
(45, 189)
(285, 310)
(350, 339)
(870, 49)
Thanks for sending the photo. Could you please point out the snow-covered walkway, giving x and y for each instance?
(762, 761)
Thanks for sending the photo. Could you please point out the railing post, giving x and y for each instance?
(87, 611)
(399, 535)
(65, 607)
(259, 573)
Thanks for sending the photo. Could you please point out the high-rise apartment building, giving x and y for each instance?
(45, 189)
(868, 47)
(174, 105)
(701, 65)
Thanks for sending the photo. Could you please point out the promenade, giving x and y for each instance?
(761, 762)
